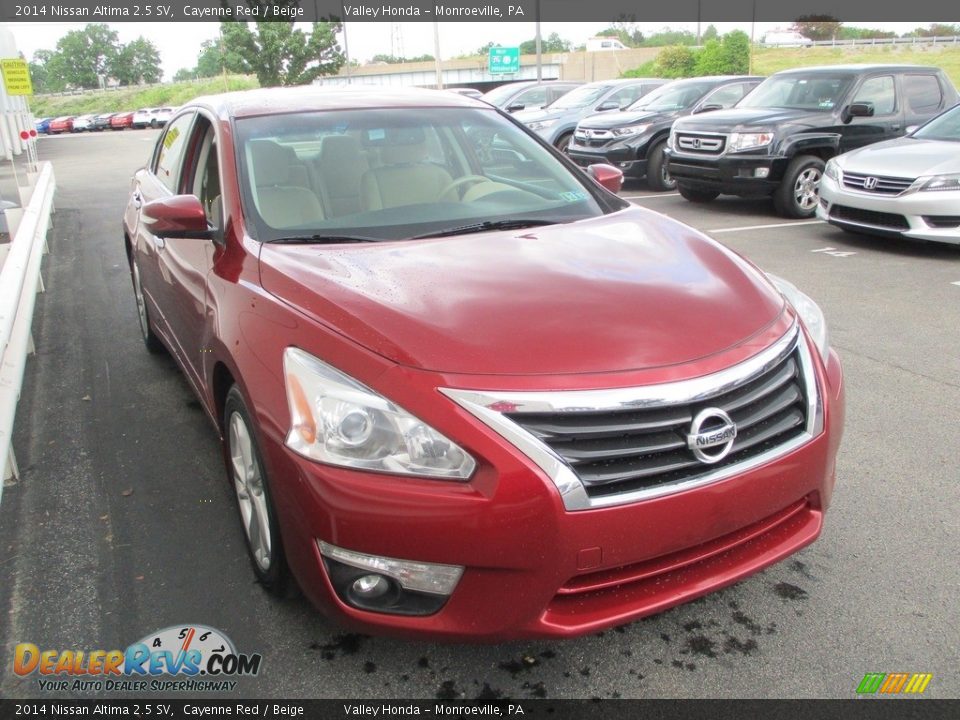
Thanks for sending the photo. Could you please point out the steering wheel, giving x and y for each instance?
(465, 180)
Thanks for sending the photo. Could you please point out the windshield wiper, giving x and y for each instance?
(487, 226)
(318, 239)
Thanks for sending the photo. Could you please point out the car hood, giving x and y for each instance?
(736, 119)
(904, 157)
(626, 291)
(608, 120)
(529, 116)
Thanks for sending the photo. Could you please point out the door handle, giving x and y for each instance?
(137, 199)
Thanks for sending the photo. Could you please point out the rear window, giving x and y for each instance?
(923, 92)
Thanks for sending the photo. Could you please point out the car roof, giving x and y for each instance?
(718, 79)
(856, 69)
(277, 101)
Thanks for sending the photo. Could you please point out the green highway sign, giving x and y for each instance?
(503, 60)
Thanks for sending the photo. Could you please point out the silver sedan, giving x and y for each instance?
(908, 187)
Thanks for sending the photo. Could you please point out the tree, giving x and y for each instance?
(137, 62)
(551, 44)
(710, 34)
(736, 53)
(626, 32)
(935, 30)
(396, 59)
(859, 33)
(711, 60)
(678, 61)
(185, 75)
(817, 27)
(280, 54)
(666, 36)
(214, 59)
(88, 55)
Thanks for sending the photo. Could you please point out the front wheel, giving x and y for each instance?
(658, 175)
(563, 142)
(150, 339)
(696, 195)
(799, 192)
(254, 499)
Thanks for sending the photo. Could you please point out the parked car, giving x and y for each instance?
(776, 141)
(102, 122)
(143, 117)
(161, 116)
(909, 187)
(83, 123)
(786, 38)
(434, 440)
(556, 122)
(528, 94)
(62, 124)
(634, 139)
(469, 92)
(121, 120)
(43, 125)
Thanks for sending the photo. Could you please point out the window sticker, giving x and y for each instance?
(573, 196)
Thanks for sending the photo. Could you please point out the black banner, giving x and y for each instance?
(920, 11)
(864, 709)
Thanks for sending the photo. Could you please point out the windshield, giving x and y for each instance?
(499, 95)
(398, 173)
(943, 127)
(675, 96)
(579, 97)
(812, 92)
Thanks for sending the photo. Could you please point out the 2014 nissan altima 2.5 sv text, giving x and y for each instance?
(464, 390)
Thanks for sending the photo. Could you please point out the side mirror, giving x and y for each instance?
(179, 216)
(608, 105)
(860, 109)
(515, 106)
(708, 108)
(607, 176)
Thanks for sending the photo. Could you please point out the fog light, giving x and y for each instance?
(388, 585)
(371, 586)
(761, 172)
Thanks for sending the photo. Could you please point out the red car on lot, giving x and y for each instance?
(61, 125)
(465, 391)
(121, 121)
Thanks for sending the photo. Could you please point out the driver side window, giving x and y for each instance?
(878, 92)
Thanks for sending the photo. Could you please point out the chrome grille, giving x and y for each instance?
(610, 447)
(876, 183)
(631, 449)
(707, 143)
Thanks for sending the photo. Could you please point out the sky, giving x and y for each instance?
(179, 43)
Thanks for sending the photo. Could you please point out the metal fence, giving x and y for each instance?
(20, 282)
(867, 42)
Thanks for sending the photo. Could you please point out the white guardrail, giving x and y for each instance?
(20, 282)
(866, 42)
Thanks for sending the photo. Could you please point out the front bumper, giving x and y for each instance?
(627, 156)
(729, 174)
(533, 569)
(917, 215)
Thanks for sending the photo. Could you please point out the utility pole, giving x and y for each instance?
(346, 53)
(539, 48)
(436, 54)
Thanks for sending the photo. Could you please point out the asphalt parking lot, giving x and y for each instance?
(123, 523)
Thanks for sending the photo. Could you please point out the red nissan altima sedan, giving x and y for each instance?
(464, 390)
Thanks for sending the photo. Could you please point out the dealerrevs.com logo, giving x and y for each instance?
(187, 658)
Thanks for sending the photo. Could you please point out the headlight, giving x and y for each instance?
(833, 171)
(336, 420)
(746, 141)
(672, 139)
(630, 130)
(940, 182)
(810, 313)
(540, 124)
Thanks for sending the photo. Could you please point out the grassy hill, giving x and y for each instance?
(771, 60)
(131, 98)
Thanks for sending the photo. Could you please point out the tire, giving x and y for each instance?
(563, 142)
(696, 195)
(254, 499)
(153, 124)
(150, 339)
(658, 177)
(799, 192)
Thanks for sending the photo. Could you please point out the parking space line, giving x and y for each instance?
(957, 283)
(764, 227)
(644, 197)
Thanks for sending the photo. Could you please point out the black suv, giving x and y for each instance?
(777, 139)
(633, 140)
